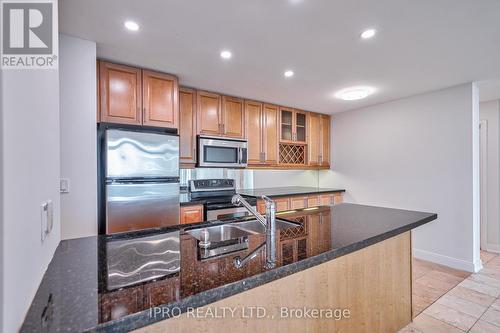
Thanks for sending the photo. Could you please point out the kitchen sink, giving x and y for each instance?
(234, 230)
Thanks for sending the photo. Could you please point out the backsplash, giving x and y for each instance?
(249, 179)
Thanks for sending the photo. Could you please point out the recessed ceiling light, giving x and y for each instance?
(131, 25)
(288, 73)
(354, 93)
(368, 33)
(226, 54)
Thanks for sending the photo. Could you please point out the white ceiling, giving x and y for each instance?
(422, 45)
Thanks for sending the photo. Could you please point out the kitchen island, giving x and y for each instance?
(350, 264)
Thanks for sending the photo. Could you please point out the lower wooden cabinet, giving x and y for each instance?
(191, 214)
(299, 202)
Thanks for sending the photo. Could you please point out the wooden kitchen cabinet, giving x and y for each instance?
(129, 95)
(220, 115)
(298, 202)
(120, 94)
(160, 94)
(314, 139)
(233, 117)
(324, 159)
(293, 125)
(318, 140)
(305, 201)
(262, 129)
(313, 201)
(191, 214)
(208, 113)
(187, 127)
(255, 127)
(270, 134)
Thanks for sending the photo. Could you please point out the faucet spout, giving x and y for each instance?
(269, 222)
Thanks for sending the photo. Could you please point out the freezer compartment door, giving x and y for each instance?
(132, 154)
(137, 260)
(132, 207)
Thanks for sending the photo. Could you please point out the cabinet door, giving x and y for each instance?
(208, 114)
(325, 141)
(254, 119)
(160, 99)
(191, 214)
(313, 201)
(287, 133)
(326, 199)
(187, 126)
(120, 94)
(233, 117)
(298, 202)
(300, 123)
(270, 137)
(282, 204)
(314, 139)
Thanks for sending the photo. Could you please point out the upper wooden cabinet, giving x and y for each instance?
(318, 140)
(187, 127)
(129, 95)
(262, 129)
(270, 134)
(325, 140)
(208, 113)
(314, 139)
(233, 117)
(293, 125)
(160, 93)
(120, 94)
(220, 115)
(254, 122)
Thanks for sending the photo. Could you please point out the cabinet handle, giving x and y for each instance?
(224, 128)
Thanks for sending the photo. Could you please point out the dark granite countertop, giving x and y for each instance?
(74, 294)
(286, 191)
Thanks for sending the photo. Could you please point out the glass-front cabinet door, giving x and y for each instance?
(292, 125)
(300, 126)
(287, 131)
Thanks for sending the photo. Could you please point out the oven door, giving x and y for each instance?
(221, 153)
(219, 213)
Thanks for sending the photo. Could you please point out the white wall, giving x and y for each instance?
(30, 162)
(280, 178)
(490, 112)
(415, 153)
(77, 73)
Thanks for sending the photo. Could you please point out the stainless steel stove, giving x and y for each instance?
(216, 195)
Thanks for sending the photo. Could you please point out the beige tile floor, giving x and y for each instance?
(447, 300)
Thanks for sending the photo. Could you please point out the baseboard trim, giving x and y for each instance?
(447, 261)
(495, 248)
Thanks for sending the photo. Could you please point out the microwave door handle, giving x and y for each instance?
(240, 155)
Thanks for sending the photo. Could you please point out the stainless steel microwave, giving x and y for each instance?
(218, 152)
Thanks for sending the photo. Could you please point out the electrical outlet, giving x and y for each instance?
(64, 185)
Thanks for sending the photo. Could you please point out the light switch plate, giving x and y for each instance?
(46, 218)
(64, 185)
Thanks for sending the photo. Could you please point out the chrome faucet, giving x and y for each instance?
(269, 222)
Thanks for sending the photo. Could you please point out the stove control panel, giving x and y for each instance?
(206, 185)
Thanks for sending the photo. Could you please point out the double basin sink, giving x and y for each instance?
(234, 230)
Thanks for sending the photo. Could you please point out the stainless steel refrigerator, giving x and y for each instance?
(141, 180)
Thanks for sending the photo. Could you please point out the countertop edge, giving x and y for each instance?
(144, 318)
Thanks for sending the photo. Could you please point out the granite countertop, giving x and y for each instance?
(276, 192)
(74, 294)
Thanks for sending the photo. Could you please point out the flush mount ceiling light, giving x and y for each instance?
(288, 73)
(225, 54)
(368, 33)
(354, 93)
(131, 25)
